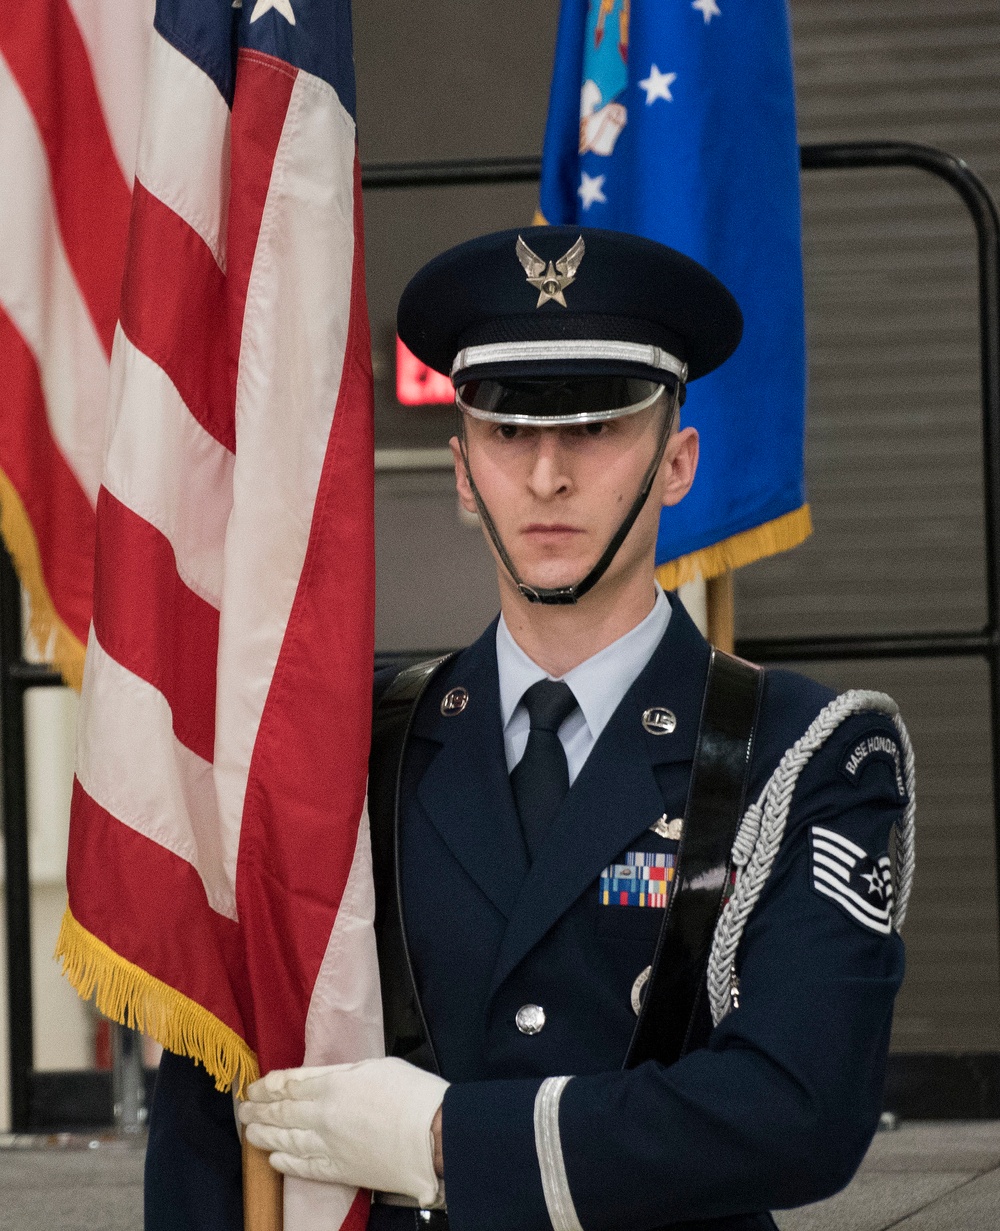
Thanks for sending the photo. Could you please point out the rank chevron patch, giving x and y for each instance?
(846, 874)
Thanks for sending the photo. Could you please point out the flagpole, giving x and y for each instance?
(262, 1191)
(721, 612)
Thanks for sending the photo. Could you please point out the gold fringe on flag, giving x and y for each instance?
(131, 997)
(59, 646)
(782, 534)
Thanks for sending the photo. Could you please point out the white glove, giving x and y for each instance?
(367, 1125)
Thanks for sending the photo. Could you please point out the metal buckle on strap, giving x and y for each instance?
(433, 1214)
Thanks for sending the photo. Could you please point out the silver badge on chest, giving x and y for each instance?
(666, 828)
(638, 987)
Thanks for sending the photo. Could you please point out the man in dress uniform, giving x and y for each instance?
(637, 900)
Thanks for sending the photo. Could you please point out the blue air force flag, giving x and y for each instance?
(677, 121)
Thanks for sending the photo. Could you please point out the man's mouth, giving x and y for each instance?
(550, 529)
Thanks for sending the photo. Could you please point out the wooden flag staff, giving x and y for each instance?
(262, 1191)
(721, 610)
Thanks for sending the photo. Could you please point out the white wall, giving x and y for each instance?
(63, 1029)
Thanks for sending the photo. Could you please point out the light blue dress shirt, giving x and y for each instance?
(598, 683)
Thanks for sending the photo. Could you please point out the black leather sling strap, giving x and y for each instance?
(673, 1008)
(406, 1033)
(673, 1019)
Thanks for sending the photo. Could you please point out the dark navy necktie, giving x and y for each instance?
(540, 779)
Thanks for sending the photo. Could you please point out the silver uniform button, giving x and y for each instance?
(530, 1018)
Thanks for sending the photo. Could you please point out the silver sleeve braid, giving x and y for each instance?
(763, 827)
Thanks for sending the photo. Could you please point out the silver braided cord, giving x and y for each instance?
(763, 827)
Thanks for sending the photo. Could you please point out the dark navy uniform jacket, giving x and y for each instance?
(776, 1110)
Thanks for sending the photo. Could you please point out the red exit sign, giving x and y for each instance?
(419, 385)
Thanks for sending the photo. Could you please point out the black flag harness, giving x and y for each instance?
(674, 1018)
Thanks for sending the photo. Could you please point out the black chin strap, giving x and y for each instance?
(565, 595)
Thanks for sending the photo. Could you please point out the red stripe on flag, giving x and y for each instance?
(157, 905)
(284, 884)
(151, 623)
(260, 103)
(42, 44)
(357, 1216)
(173, 306)
(56, 504)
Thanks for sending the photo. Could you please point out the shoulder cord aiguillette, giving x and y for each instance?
(763, 827)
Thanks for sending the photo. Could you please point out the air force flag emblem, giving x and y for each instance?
(846, 874)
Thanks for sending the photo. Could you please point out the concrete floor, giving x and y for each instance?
(921, 1177)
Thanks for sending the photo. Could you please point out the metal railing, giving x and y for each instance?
(17, 675)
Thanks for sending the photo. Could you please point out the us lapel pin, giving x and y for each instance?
(658, 720)
(454, 701)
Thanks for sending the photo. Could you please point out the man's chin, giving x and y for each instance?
(554, 579)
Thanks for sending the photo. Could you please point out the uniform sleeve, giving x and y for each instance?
(780, 1106)
(194, 1169)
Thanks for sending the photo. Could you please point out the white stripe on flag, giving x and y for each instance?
(40, 294)
(167, 794)
(345, 1010)
(291, 361)
(117, 38)
(167, 469)
(179, 160)
(838, 838)
(846, 893)
(344, 1022)
(875, 924)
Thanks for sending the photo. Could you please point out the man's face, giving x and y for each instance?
(557, 495)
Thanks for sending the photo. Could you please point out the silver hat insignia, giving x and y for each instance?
(552, 280)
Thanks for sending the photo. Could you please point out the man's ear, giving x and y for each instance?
(680, 461)
(465, 496)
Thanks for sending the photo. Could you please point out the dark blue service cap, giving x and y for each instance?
(568, 301)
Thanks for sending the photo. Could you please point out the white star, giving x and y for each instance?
(657, 85)
(874, 883)
(708, 9)
(590, 189)
(284, 7)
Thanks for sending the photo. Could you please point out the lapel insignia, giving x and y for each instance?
(552, 280)
(454, 701)
(642, 880)
(664, 828)
(658, 720)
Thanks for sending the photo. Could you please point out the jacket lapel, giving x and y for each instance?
(465, 791)
(616, 796)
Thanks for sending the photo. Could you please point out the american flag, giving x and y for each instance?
(219, 867)
(71, 79)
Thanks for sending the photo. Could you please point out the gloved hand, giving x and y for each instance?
(367, 1124)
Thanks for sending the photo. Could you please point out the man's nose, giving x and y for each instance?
(550, 472)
